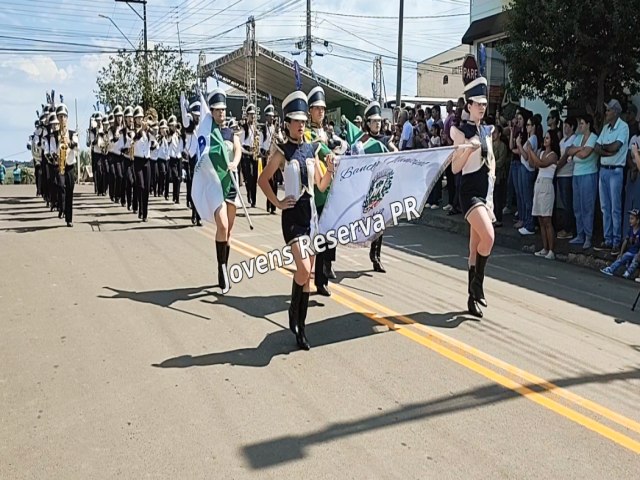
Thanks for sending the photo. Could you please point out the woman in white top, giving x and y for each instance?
(564, 180)
(476, 162)
(544, 194)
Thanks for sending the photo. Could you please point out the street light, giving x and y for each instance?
(114, 24)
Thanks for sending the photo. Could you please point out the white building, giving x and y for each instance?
(441, 75)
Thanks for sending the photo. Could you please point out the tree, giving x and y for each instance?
(123, 82)
(568, 52)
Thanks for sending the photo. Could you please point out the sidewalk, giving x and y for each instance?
(507, 236)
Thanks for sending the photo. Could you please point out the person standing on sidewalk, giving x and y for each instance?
(612, 146)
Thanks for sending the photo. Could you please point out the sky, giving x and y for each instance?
(64, 44)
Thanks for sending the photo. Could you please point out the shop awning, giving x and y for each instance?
(485, 27)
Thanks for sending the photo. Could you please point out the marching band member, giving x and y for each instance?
(128, 133)
(154, 133)
(219, 143)
(44, 135)
(249, 162)
(141, 155)
(68, 147)
(477, 165)
(268, 133)
(115, 169)
(92, 136)
(163, 158)
(52, 166)
(316, 134)
(379, 143)
(36, 153)
(190, 124)
(301, 165)
(176, 146)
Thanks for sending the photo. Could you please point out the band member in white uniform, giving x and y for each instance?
(300, 163)
(163, 158)
(67, 181)
(268, 135)
(249, 162)
(141, 154)
(190, 123)
(477, 165)
(176, 145)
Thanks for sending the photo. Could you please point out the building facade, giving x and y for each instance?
(440, 76)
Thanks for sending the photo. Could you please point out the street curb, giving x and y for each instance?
(506, 236)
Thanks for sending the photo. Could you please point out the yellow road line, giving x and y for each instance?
(537, 381)
(356, 303)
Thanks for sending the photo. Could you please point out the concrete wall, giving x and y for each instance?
(485, 8)
(432, 71)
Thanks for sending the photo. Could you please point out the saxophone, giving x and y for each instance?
(256, 141)
(64, 147)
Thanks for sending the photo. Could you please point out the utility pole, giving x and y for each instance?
(399, 76)
(377, 79)
(142, 17)
(308, 61)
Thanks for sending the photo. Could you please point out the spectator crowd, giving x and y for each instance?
(576, 182)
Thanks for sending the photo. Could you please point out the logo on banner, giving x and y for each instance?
(379, 187)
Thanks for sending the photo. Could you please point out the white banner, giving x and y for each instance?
(368, 190)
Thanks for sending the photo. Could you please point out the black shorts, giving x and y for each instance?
(296, 221)
(474, 188)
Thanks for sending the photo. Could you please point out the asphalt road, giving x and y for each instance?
(120, 358)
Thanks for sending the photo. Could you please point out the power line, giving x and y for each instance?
(381, 17)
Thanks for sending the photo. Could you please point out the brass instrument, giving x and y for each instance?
(131, 135)
(256, 140)
(64, 147)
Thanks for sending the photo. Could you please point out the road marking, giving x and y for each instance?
(356, 303)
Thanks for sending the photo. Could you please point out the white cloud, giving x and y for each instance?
(41, 69)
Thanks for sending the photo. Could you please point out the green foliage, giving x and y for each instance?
(122, 82)
(569, 52)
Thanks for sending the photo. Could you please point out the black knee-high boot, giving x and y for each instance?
(476, 287)
(223, 279)
(472, 306)
(294, 307)
(301, 338)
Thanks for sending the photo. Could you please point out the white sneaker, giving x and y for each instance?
(550, 256)
(506, 211)
(524, 231)
(427, 205)
(542, 253)
(447, 208)
(435, 207)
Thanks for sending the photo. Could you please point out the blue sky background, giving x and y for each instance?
(30, 64)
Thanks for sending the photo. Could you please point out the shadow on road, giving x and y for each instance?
(269, 453)
(31, 229)
(326, 332)
(163, 298)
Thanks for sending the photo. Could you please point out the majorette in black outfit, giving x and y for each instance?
(373, 129)
(300, 163)
(477, 165)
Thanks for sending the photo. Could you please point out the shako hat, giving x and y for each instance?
(373, 111)
(316, 97)
(476, 91)
(217, 99)
(295, 106)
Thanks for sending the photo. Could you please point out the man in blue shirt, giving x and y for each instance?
(612, 146)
